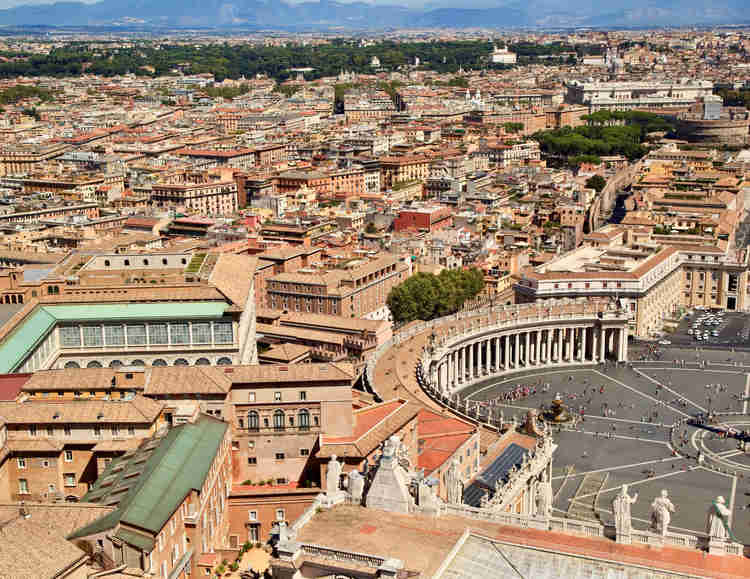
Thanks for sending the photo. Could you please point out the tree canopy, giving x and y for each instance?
(426, 296)
(596, 182)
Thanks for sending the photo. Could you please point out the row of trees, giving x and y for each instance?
(426, 296)
(603, 136)
(225, 61)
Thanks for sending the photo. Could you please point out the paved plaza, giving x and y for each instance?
(623, 434)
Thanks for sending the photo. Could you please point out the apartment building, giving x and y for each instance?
(170, 501)
(358, 288)
(212, 192)
(58, 446)
(403, 169)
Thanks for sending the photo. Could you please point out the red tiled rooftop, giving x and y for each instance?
(11, 384)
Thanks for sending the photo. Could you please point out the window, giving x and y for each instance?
(281, 481)
(253, 420)
(157, 333)
(280, 456)
(252, 460)
(201, 333)
(180, 333)
(23, 486)
(106, 263)
(277, 396)
(21, 462)
(252, 515)
(32, 430)
(278, 420)
(92, 336)
(280, 515)
(131, 430)
(136, 334)
(304, 452)
(70, 336)
(303, 395)
(251, 444)
(304, 419)
(145, 262)
(114, 335)
(251, 396)
(70, 480)
(115, 431)
(223, 333)
(66, 430)
(97, 432)
(68, 456)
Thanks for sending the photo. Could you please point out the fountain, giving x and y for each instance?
(557, 413)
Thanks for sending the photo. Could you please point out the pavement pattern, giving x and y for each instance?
(624, 433)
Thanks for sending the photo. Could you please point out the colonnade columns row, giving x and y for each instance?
(515, 351)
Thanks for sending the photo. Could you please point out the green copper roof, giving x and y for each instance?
(36, 326)
(150, 484)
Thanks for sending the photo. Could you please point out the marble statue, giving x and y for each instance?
(717, 523)
(333, 475)
(391, 446)
(544, 497)
(283, 532)
(356, 486)
(661, 509)
(621, 509)
(454, 486)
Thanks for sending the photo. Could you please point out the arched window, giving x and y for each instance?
(145, 262)
(106, 263)
(93, 364)
(72, 364)
(181, 362)
(303, 419)
(159, 362)
(202, 362)
(223, 362)
(253, 421)
(278, 420)
(138, 363)
(115, 364)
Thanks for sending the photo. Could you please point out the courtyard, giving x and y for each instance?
(631, 429)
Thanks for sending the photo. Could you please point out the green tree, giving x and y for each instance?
(426, 296)
(596, 182)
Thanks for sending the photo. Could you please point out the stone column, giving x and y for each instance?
(560, 356)
(622, 351)
(497, 354)
(433, 375)
(571, 344)
(462, 365)
(487, 360)
(471, 361)
(594, 345)
(602, 344)
(526, 349)
(583, 344)
(507, 352)
(451, 370)
(537, 349)
(516, 353)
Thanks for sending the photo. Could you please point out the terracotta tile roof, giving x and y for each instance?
(373, 430)
(233, 276)
(37, 547)
(11, 385)
(139, 410)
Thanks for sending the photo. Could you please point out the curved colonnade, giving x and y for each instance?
(438, 359)
(515, 338)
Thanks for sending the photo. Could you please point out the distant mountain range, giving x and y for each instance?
(327, 14)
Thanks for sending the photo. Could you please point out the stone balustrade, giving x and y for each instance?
(345, 556)
(527, 337)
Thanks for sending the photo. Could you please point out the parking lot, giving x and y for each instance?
(713, 328)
